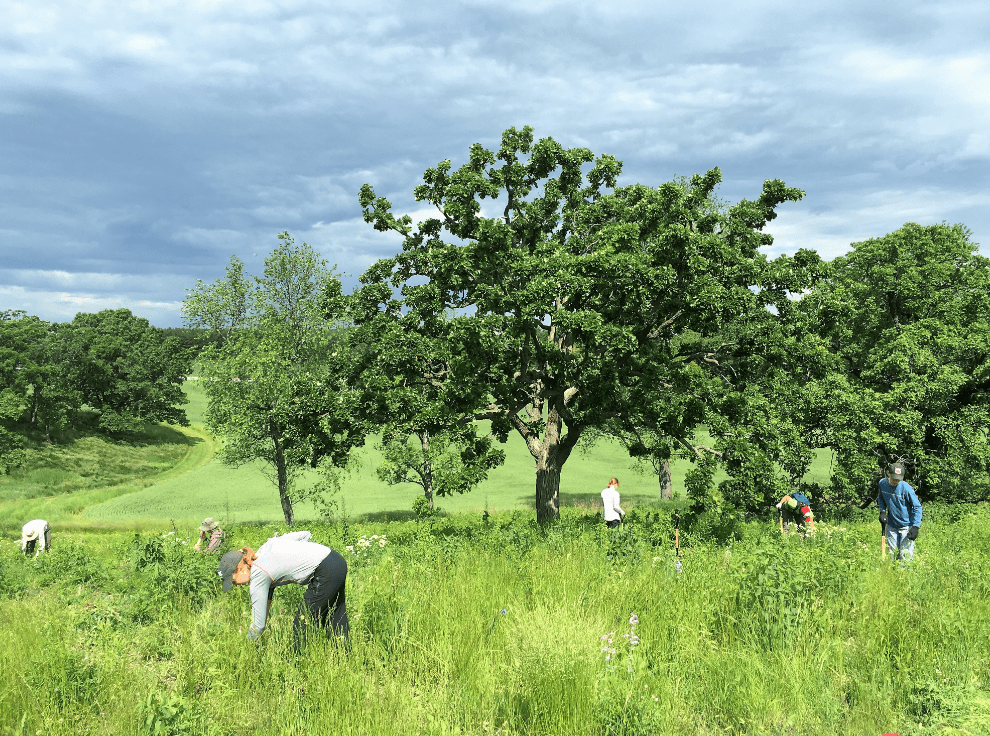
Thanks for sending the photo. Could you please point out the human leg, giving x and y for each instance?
(325, 599)
(788, 517)
(906, 549)
(901, 548)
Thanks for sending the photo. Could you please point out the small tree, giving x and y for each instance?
(425, 439)
(275, 385)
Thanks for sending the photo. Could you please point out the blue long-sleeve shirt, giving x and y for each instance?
(901, 504)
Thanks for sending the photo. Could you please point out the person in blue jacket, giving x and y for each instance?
(900, 513)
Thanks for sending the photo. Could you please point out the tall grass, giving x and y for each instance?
(461, 626)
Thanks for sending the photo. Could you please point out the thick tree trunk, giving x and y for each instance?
(666, 486)
(548, 462)
(550, 452)
(547, 494)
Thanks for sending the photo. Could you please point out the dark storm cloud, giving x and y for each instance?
(140, 148)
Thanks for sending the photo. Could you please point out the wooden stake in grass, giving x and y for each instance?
(883, 541)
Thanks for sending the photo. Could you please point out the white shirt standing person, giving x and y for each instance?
(610, 499)
(35, 531)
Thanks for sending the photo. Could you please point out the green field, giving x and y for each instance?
(199, 486)
(472, 625)
(469, 627)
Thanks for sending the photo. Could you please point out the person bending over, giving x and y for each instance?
(291, 558)
(33, 532)
(211, 533)
(796, 508)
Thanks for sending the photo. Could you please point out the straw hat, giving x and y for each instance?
(31, 535)
(208, 524)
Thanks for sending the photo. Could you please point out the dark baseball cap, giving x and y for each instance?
(229, 563)
(896, 470)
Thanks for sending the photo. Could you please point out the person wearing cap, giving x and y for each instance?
(33, 532)
(612, 512)
(900, 512)
(291, 558)
(796, 509)
(209, 531)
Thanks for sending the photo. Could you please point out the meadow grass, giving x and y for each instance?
(465, 626)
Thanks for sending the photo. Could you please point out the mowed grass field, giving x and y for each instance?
(199, 486)
(246, 494)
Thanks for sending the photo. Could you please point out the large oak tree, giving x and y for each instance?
(568, 301)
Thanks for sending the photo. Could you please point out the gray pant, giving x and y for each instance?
(899, 545)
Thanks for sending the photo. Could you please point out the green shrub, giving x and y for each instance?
(170, 574)
(173, 715)
(70, 563)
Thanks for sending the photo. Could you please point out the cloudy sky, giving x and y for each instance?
(142, 144)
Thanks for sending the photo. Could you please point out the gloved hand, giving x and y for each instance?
(778, 505)
(913, 533)
(883, 518)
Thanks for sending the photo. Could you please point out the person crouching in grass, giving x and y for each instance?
(36, 533)
(211, 533)
(291, 558)
(796, 508)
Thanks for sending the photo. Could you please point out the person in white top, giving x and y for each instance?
(291, 558)
(33, 532)
(610, 499)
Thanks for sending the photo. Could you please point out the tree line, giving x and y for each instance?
(545, 299)
(110, 365)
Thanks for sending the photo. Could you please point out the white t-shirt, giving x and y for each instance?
(610, 498)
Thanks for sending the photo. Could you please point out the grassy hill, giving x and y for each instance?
(172, 475)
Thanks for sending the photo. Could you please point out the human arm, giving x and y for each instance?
(199, 541)
(914, 507)
(261, 602)
(881, 504)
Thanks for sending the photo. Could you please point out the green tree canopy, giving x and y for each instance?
(905, 318)
(122, 366)
(276, 384)
(576, 302)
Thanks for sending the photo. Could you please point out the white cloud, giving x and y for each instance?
(166, 136)
(63, 306)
